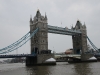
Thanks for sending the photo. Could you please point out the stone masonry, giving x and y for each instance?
(39, 43)
(80, 41)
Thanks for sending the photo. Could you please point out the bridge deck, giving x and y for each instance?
(77, 56)
(17, 55)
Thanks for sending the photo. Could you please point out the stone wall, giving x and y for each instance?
(85, 57)
(41, 58)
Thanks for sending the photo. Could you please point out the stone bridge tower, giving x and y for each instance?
(80, 42)
(40, 40)
(39, 43)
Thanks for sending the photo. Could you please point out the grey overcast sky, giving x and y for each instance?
(15, 16)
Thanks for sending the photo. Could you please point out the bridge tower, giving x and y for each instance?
(40, 40)
(80, 41)
(39, 43)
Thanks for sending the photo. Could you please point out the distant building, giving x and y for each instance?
(69, 51)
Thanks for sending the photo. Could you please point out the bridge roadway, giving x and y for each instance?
(76, 56)
(17, 55)
(97, 55)
(33, 55)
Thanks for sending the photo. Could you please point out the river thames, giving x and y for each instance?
(62, 68)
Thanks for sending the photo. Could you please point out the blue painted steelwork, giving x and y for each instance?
(17, 55)
(97, 55)
(15, 43)
(60, 30)
(18, 43)
(95, 48)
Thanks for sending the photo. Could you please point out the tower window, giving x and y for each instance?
(36, 41)
(42, 33)
(42, 41)
(44, 26)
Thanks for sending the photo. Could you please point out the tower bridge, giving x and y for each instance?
(38, 35)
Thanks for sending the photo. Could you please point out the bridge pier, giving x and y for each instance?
(31, 61)
(85, 57)
(40, 59)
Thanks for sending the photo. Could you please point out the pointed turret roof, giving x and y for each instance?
(72, 26)
(38, 14)
(45, 16)
(78, 24)
(30, 18)
(84, 25)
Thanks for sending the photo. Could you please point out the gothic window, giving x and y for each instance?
(44, 25)
(36, 19)
(77, 43)
(42, 33)
(42, 47)
(36, 41)
(43, 40)
(41, 19)
(32, 27)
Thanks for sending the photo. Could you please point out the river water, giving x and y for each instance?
(62, 68)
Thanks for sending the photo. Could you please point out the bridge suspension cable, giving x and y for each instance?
(18, 43)
(95, 48)
(15, 43)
